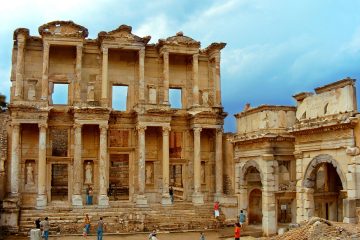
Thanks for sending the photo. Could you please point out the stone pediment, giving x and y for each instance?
(123, 34)
(179, 40)
(63, 29)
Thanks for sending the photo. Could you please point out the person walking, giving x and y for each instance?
(237, 231)
(37, 223)
(242, 218)
(152, 235)
(202, 236)
(171, 193)
(216, 209)
(45, 225)
(100, 229)
(87, 225)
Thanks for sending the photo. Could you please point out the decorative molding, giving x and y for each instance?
(63, 29)
(179, 40)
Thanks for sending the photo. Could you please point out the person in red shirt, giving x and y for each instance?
(216, 209)
(237, 231)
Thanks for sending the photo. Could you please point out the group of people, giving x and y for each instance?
(44, 226)
(100, 227)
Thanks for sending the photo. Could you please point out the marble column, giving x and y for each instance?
(41, 200)
(217, 82)
(166, 77)
(219, 164)
(195, 76)
(45, 72)
(19, 68)
(78, 68)
(142, 75)
(197, 197)
(104, 80)
(103, 160)
(141, 200)
(77, 167)
(15, 158)
(165, 166)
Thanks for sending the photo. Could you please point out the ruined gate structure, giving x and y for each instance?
(115, 113)
(303, 159)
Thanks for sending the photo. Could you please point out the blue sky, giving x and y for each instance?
(274, 48)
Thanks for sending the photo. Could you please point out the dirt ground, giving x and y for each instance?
(161, 236)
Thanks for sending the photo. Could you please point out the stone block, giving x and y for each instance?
(35, 234)
(103, 201)
(198, 199)
(77, 200)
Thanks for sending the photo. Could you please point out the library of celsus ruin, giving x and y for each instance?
(131, 119)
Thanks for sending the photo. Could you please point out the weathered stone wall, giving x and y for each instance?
(4, 127)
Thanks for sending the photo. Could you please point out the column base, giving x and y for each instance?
(77, 200)
(350, 220)
(41, 201)
(198, 198)
(218, 197)
(166, 200)
(141, 201)
(103, 201)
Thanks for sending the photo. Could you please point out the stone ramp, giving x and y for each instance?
(128, 218)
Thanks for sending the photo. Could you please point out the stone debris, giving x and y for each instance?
(321, 229)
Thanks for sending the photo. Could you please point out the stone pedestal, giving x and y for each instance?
(103, 201)
(41, 201)
(35, 234)
(77, 200)
(141, 201)
(349, 208)
(166, 200)
(197, 198)
(9, 219)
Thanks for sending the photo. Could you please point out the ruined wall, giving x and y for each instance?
(4, 132)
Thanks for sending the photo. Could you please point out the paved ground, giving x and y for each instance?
(161, 236)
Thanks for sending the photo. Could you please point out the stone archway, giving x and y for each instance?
(324, 182)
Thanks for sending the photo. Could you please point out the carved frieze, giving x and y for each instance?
(63, 29)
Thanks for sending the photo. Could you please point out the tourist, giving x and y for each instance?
(100, 229)
(87, 225)
(37, 223)
(152, 235)
(216, 209)
(237, 231)
(202, 236)
(45, 225)
(171, 193)
(89, 195)
(91, 192)
(242, 218)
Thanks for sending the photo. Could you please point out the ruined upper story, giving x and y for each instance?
(264, 120)
(62, 67)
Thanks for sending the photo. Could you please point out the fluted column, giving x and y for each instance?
(197, 197)
(103, 160)
(77, 167)
(217, 80)
(104, 80)
(77, 88)
(141, 198)
(19, 68)
(142, 75)
(165, 166)
(41, 200)
(166, 77)
(195, 76)
(219, 163)
(45, 72)
(15, 158)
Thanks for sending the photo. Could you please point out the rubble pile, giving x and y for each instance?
(319, 229)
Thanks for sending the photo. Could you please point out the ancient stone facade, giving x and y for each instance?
(61, 146)
(292, 163)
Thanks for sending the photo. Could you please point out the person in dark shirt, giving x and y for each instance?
(171, 193)
(37, 223)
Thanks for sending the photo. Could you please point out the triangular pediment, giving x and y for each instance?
(123, 34)
(179, 40)
(63, 29)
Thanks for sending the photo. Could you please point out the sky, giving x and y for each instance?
(274, 49)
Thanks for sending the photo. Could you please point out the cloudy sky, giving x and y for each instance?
(274, 48)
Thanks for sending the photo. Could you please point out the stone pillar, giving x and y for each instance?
(195, 76)
(166, 77)
(219, 164)
(45, 72)
(104, 80)
(103, 165)
(349, 210)
(15, 158)
(165, 166)
(141, 200)
(299, 189)
(20, 67)
(269, 220)
(217, 82)
(78, 68)
(197, 197)
(142, 75)
(308, 203)
(77, 168)
(41, 200)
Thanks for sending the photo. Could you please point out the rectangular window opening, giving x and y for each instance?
(175, 98)
(60, 93)
(119, 97)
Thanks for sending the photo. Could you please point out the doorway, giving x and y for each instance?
(59, 182)
(255, 207)
(119, 177)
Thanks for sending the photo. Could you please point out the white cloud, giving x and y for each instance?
(157, 27)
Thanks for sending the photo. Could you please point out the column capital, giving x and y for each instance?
(77, 126)
(166, 130)
(195, 56)
(197, 129)
(79, 47)
(103, 127)
(15, 125)
(219, 130)
(142, 52)
(42, 125)
(166, 55)
(141, 128)
(105, 50)
(46, 46)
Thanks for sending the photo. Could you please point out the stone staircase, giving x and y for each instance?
(124, 217)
